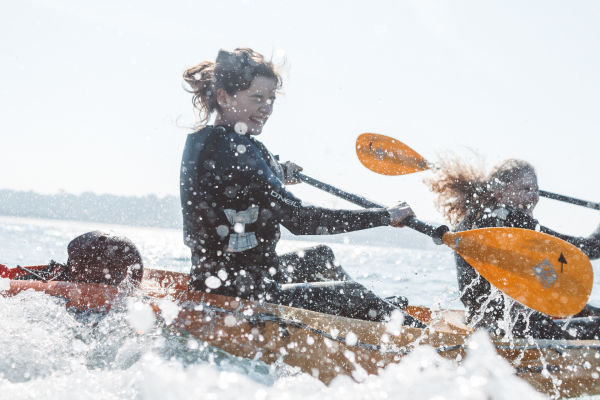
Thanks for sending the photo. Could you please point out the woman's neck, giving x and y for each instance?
(219, 121)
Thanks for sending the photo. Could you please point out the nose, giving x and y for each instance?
(266, 108)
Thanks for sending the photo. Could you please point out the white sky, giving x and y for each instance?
(91, 94)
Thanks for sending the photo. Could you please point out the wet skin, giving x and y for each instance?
(521, 193)
(247, 111)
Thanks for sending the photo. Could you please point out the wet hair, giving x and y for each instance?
(232, 71)
(464, 188)
(100, 257)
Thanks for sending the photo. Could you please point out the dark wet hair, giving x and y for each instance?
(463, 188)
(101, 257)
(232, 71)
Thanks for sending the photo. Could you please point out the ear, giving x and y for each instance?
(223, 98)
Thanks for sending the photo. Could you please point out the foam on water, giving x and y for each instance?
(50, 353)
(47, 352)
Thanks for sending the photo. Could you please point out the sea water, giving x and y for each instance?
(49, 353)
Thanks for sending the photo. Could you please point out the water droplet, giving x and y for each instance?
(212, 282)
(222, 230)
(241, 128)
(351, 339)
(222, 274)
(230, 320)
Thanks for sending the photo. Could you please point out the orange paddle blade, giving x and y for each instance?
(388, 156)
(539, 271)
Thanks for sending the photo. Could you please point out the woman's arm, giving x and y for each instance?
(309, 220)
(589, 245)
(270, 193)
(517, 219)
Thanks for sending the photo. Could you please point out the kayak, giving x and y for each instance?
(323, 345)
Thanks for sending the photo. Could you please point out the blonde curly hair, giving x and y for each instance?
(463, 188)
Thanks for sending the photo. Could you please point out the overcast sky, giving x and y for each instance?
(91, 97)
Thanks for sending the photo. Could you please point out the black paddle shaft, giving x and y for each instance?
(567, 199)
(434, 232)
(352, 198)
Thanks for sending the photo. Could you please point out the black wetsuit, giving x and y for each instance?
(233, 200)
(486, 307)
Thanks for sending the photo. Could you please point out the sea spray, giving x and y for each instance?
(48, 352)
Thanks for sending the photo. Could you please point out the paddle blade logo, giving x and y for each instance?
(545, 273)
(378, 153)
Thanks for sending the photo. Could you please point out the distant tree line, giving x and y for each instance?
(164, 212)
(150, 210)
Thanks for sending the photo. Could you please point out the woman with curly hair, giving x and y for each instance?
(234, 200)
(506, 197)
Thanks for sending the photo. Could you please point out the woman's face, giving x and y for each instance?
(248, 110)
(521, 192)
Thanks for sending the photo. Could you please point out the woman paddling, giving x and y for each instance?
(506, 197)
(233, 200)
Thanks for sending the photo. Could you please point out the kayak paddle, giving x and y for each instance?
(388, 156)
(538, 270)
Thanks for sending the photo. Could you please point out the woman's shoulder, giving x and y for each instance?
(468, 222)
(217, 138)
(483, 219)
(225, 146)
(499, 217)
(223, 134)
(209, 130)
(202, 135)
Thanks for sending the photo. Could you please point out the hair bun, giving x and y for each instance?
(235, 61)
